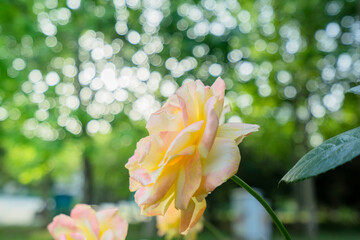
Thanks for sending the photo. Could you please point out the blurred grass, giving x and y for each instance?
(31, 233)
(22, 233)
(326, 234)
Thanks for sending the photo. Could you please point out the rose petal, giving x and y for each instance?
(153, 193)
(222, 163)
(218, 88)
(226, 109)
(169, 222)
(86, 221)
(141, 177)
(167, 118)
(79, 236)
(159, 144)
(160, 207)
(191, 215)
(61, 226)
(212, 123)
(110, 221)
(188, 181)
(236, 131)
(185, 138)
(141, 149)
(190, 150)
(143, 166)
(186, 95)
(108, 235)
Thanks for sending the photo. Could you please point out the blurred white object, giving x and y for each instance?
(250, 219)
(19, 210)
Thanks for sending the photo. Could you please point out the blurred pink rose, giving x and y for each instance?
(86, 224)
(188, 153)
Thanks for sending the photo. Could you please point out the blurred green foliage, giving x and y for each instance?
(80, 78)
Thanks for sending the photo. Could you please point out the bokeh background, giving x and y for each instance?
(79, 79)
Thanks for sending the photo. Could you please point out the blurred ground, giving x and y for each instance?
(11, 233)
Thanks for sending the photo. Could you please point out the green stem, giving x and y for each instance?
(271, 212)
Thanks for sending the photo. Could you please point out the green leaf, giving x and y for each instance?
(355, 90)
(328, 155)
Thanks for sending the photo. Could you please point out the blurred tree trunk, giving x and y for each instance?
(305, 191)
(88, 196)
(46, 194)
(310, 207)
(307, 210)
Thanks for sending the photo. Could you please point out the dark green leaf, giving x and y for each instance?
(355, 90)
(330, 154)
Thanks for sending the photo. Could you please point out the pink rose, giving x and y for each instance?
(86, 224)
(188, 153)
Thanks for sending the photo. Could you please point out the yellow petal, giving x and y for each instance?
(191, 215)
(160, 207)
(185, 138)
(167, 118)
(86, 221)
(156, 191)
(222, 162)
(188, 181)
(236, 131)
(212, 123)
(112, 226)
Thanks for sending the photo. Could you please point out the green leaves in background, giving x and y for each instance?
(330, 154)
(355, 90)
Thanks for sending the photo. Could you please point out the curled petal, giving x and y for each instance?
(61, 227)
(141, 149)
(151, 194)
(133, 164)
(192, 97)
(112, 225)
(167, 118)
(160, 207)
(191, 215)
(159, 144)
(143, 165)
(211, 127)
(86, 220)
(226, 109)
(236, 131)
(134, 184)
(185, 138)
(140, 176)
(190, 150)
(188, 181)
(188, 102)
(218, 88)
(222, 162)
(167, 176)
(203, 93)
